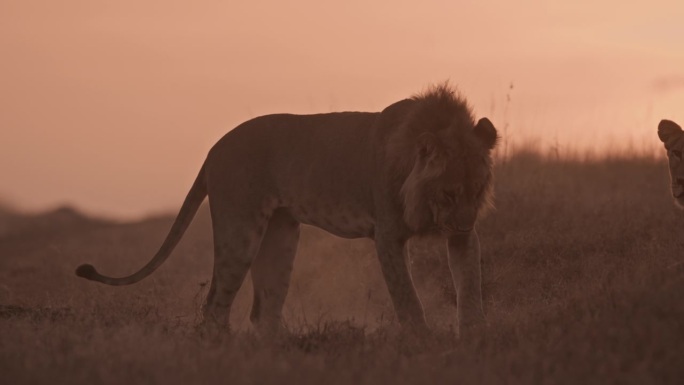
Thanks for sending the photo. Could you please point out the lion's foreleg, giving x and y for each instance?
(464, 263)
(394, 263)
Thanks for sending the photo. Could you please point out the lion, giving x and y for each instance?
(673, 137)
(420, 167)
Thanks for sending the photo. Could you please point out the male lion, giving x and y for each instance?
(421, 167)
(673, 137)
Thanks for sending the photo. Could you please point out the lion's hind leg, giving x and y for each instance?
(237, 236)
(271, 271)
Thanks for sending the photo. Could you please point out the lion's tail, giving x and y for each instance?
(192, 202)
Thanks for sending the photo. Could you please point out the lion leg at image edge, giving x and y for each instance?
(394, 264)
(672, 136)
(271, 272)
(464, 263)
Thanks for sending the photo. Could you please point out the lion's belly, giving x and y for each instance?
(345, 222)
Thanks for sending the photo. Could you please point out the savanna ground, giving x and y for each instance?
(583, 264)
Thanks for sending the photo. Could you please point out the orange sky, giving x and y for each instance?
(112, 106)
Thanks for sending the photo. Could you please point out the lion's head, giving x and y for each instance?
(673, 138)
(447, 163)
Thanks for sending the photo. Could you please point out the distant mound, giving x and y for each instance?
(7, 218)
(60, 219)
(5, 209)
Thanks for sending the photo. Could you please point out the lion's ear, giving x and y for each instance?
(668, 132)
(484, 130)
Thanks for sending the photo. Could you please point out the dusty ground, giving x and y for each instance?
(584, 283)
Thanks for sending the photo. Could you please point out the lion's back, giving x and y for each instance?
(306, 133)
(321, 151)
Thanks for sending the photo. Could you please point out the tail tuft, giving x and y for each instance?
(86, 271)
(192, 202)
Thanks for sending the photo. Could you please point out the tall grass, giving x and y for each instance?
(582, 281)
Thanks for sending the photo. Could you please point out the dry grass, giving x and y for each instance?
(583, 284)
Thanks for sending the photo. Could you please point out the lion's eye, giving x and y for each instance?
(449, 196)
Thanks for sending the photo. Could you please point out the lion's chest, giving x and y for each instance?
(345, 220)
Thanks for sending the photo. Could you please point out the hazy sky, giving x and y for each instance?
(112, 106)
